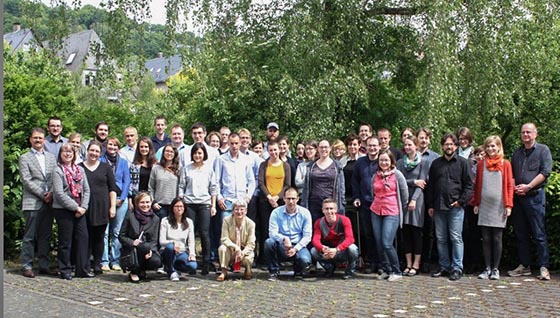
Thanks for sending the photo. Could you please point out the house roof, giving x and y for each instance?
(21, 39)
(76, 48)
(162, 68)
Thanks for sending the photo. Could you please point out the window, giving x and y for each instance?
(71, 58)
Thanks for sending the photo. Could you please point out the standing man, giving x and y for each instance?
(236, 181)
(101, 133)
(160, 139)
(272, 133)
(289, 233)
(224, 142)
(448, 191)
(255, 160)
(177, 140)
(364, 132)
(198, 134)
(424, 136)
(131, 137)
(54, 140)
(35, 171)
(384, 136)
(362, 193)
(333, 241)
(532, 164)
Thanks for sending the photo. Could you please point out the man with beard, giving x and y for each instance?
(448, 191)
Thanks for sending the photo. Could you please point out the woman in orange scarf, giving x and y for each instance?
(493, 201)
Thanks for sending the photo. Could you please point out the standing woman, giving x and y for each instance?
(493, 201)
(283, 148)
(258, 147)
(70, 202)
(390, 199)
(339, 149)
(121, 171)
(198, 188)
(310, 155)
(176, 237)
(102, 203)
(164, 180)
(214, 139)
(407, 132)
(415, 171)
(324, 179)
(75, 140)
(274, 179)
(140, 230)
(141, 168)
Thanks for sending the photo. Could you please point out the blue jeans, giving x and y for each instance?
(274, 253)
(177, 261)
(385, 230)
(112, 251)
(216, 229)
(349, 255)
(528, 220)
(38, 230)
(449, 229)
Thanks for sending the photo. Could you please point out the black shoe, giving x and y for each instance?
(367, 270)
(86, 275)
(205, 268)
(425, 268)
(66, 276)
(440, 273)
(455, 275)
(98, 271)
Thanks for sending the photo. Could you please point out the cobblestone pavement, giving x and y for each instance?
(110, 295)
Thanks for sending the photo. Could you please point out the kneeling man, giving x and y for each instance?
(238, 241)
(289, 233)
(333, 241)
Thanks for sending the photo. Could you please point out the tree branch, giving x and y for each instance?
(395, 11)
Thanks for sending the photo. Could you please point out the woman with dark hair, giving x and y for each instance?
(164, 180)
(390, 199)
(415, 171)
(283, 148)
(324, 179)
(258, 147)
(102, 203)
(310, 155)
(198, 187)
(70, 202)
(274, 178)
(141, 168)
(176, 237)
(119, 165)
(140, 231)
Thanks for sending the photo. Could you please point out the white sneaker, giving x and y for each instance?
(394, 277)
(161, 271)
(174, 277)
(520, 271)
(383, 275)
(485, 274)
(545, 275)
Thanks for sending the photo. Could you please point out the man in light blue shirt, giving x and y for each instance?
(54, 139)
(177, 140)
(289, 233)
(131, 138)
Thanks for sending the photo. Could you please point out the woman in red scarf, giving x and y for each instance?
(493, 201)
(71, 199)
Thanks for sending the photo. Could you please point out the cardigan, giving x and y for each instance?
(507, 183)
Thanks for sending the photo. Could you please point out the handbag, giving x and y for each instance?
(129, 258)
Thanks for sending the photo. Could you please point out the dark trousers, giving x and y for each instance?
(96, 244)
(472, 240)
(215, 234)
(72, 236)
(200, 215)
(265, 209)
(428, 242)
(144, 264)
(368, 248)
(38, 230)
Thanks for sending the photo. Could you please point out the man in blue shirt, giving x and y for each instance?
(54, 139)
(289, 233)
(160, 139)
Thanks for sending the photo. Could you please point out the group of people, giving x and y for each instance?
(358, 203)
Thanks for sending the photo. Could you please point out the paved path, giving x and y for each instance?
(110, 295)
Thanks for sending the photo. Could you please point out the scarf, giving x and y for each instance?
(112, 160)
(73, 177)
(385, 176)
(409, 165)
(465, 153)
(144, 218)
(495, 164)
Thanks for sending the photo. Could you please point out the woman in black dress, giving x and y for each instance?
(102, 203)
(141, 168)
